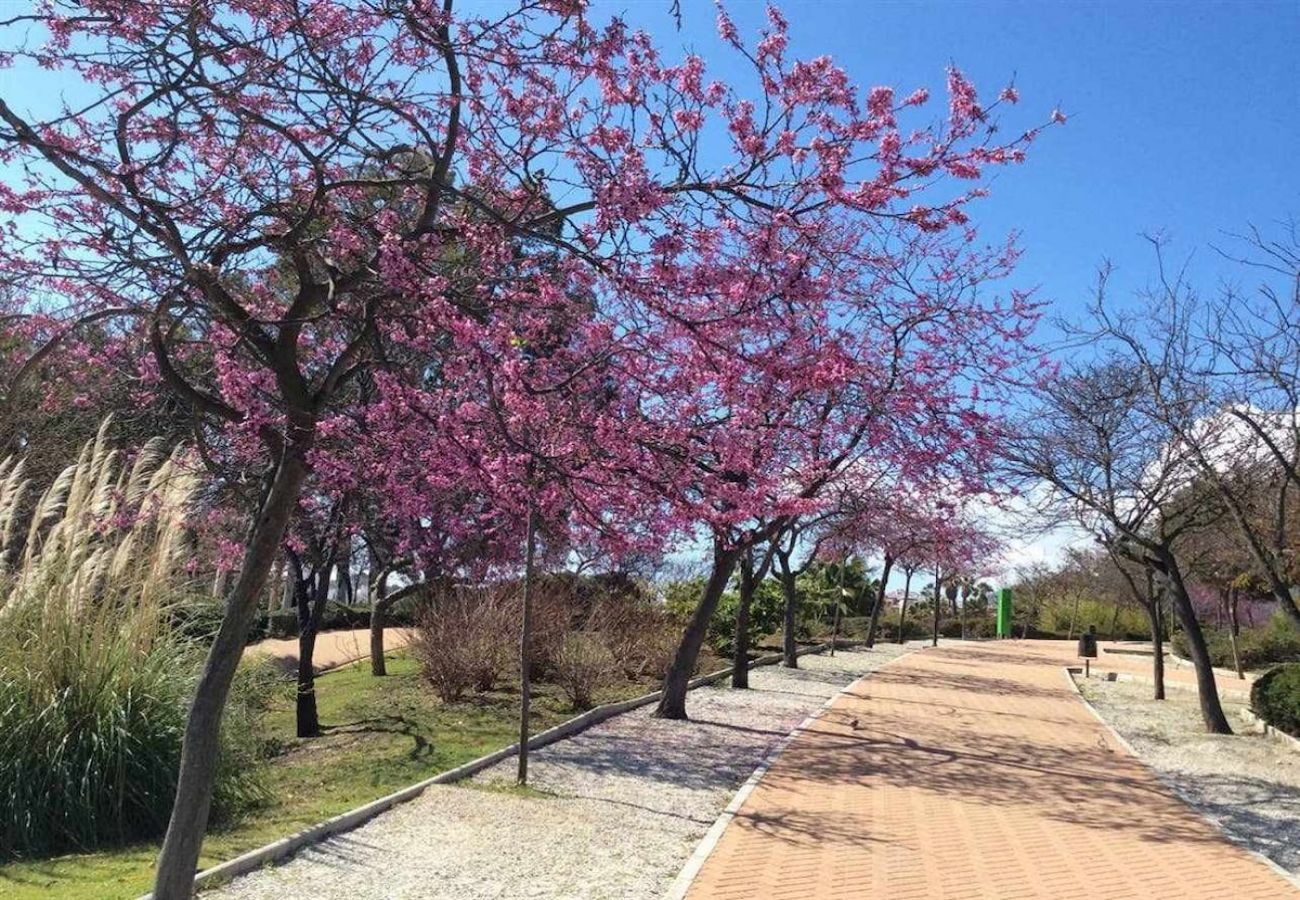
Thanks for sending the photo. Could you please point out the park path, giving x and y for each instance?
(333, 648)
(971, 771)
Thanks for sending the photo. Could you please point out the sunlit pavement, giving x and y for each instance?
(971, 771)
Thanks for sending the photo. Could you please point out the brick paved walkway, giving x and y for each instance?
(971, 771)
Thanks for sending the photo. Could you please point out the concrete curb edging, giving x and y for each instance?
(315, 834)
(1069, 672)
(1259, 726)
(1111, 675)
(682, 883)
(1183, 662)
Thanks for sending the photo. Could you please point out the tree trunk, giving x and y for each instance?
(1211, 709)
(672, 705)
(189, 819)
(1074, 617)
(839, 601)
(313, 597)
(789, 586)
(378, 606)
(902, 610)
(525, 640)
(1156, 613)
(219, 584)
(1114, 622)
(879, 603)
(344, 569)
(1234, 629)
(740, 643)
(938, 601)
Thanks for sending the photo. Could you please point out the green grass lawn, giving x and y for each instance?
(381, 734)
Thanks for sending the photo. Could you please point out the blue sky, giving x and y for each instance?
(1184, 117)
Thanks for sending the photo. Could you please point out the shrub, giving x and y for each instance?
(1275, 697)
(94, 687)
(582, 665)
(766, 611)
(641, 637)
(1266, 645)
(463, 640)
(558, 608)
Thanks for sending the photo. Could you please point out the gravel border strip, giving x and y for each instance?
(682, 883)
(314, 834)
(1259, 726)
(1069, 672)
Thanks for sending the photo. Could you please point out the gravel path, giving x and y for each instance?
(611, 813)
(1249, 784)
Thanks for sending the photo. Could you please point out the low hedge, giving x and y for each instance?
(1275, 697)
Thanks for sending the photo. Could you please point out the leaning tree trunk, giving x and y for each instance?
(189, 819)
(740, 642)
(880, 602)
(525, 648)
(672, 705)
(789, 586)
(378, 607)
(1211, 709)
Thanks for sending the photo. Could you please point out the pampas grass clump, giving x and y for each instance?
(94, 687)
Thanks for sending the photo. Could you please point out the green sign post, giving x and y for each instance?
(1004, 612)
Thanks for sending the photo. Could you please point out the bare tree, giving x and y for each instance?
(1091, 442)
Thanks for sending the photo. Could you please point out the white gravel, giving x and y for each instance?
(613, 812)
(1247, 783)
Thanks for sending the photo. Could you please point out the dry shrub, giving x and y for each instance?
(582, 665)
(463, 639)
(641, 636)
(557, 610)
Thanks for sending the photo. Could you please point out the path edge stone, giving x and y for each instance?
(279, 850)
(1069, 672)
(704, 849)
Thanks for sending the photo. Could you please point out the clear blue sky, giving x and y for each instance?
(1184, 116)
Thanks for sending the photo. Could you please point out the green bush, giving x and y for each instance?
(1275, 697)
(766, 611)
(1266, 645)
(90, 741)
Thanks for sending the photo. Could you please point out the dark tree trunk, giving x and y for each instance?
(1114, 622)
(525, 646)
(345, 592)
(313, 597)
(740, 643)
(938, 602)
(1211, 709)
(189, 819)
(676, 683)
(902, 610)
(789, 586)
(879, 603)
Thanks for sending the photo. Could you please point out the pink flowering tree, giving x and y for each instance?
(288, 201)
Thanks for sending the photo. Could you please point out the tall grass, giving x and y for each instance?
(93, 685)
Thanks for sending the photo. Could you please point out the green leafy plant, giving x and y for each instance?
(1275, 697)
